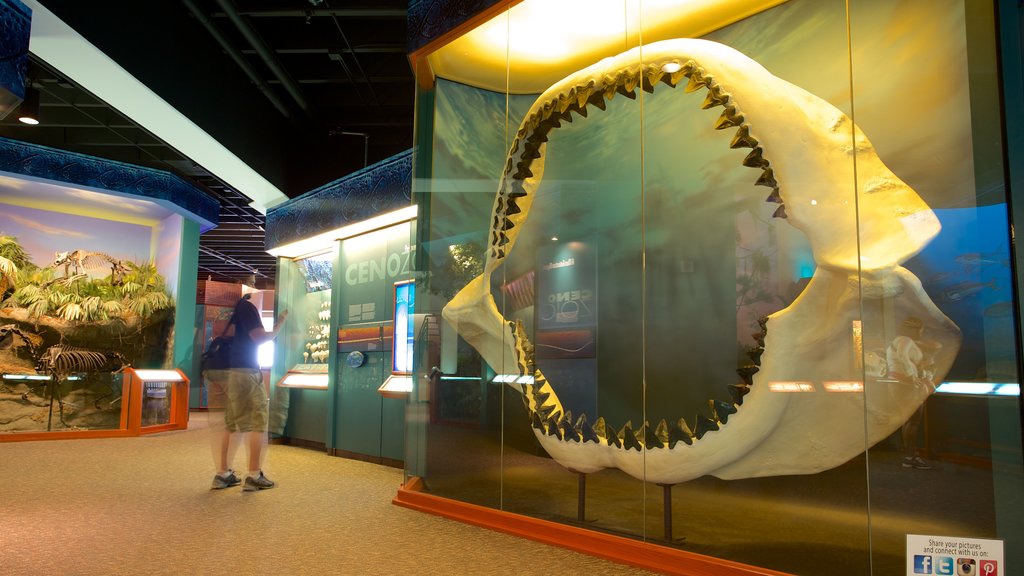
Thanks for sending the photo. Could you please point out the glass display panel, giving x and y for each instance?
(794, 234)
(33, 403)
(951, 473)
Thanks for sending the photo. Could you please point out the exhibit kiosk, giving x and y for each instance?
(721, 287)
(341, 250)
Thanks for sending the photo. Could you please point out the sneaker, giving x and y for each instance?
(261, 482)
(916, 462)
(226, 481)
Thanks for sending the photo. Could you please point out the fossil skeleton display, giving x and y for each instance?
(809, 155)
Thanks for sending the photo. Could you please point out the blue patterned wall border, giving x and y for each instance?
(379, 188)
(77, 169)
(429, 19)
(15, 29)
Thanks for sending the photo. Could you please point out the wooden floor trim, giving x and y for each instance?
(615, 548)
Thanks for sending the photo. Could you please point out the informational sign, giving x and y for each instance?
(405, 303)
(954, 556)
(566, 301)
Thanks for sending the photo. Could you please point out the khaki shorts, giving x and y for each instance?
(216, 388)
(244, 398)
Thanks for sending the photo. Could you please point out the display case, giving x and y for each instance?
(341, 248)
(127, 402)
(708, 276)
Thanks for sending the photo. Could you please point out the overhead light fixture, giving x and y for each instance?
(28, 113)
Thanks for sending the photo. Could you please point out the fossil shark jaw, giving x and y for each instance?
(805, 151)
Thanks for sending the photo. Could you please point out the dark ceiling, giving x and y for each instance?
(303, 91)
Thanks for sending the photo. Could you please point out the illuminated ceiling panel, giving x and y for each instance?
(544, 41)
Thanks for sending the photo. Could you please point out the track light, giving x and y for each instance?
(28, 113)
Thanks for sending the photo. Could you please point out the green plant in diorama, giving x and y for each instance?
(78, 298)
(13, 259)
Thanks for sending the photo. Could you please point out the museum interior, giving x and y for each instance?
(707, 287)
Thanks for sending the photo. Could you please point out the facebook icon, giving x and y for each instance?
(922, 564)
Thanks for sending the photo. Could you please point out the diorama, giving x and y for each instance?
(722, 278)
(77, 321)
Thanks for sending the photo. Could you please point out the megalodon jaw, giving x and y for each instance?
(808, 155)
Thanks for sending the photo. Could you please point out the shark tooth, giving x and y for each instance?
(564, 101)
(512, 208)
(585, 431)
(598, 100)
(729, 118)
(694, 84)
(499, 254)
(743, 139)
(774, 197)
(714, 98)
(610, 90)
(627, 93)
(629, 441)
(759, 338)
(523, 173)
(508, 225)
(747, 373)
(763, 323)
(780, 212)
(566, 116)
(531, 153)
(609, 434)
(566, 429)
(582, 110)
(767, 178)
(504, 239)
(704, 425)
(738, 391)
(680, 432)
(600, 428)
(721, 410)
(662, 431)
(537, 423)
(755, 159)
(551, 426)
(646, 86)
(582, 96)
(654, 76)
(649, 437)
(755, 354)
(630, 82)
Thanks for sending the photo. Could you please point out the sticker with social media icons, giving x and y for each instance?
(953, 556)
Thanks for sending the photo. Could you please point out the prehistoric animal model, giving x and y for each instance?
(78, 261)
(805, 152)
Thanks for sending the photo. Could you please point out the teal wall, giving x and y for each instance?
(364, 421)
(185, 309)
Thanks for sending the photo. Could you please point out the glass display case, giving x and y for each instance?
(729, 262)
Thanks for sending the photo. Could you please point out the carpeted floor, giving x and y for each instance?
(137, 506)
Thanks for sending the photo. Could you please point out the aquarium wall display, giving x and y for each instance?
(734, 280)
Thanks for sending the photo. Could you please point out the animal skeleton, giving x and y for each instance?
(79, 260)
(804, 149)
(60, 362)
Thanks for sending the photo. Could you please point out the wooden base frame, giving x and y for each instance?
(615, 548)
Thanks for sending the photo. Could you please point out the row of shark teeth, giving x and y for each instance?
(535, 131)
(664, 435)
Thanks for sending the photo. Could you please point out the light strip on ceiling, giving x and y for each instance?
(322, 242)
(60, 46)
(537, 42)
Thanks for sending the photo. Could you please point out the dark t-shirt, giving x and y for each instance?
(244, 350)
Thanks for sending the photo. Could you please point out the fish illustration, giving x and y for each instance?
(962, 290)
(999, 309)
(975, 259)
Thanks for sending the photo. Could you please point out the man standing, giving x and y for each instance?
(247, 406)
